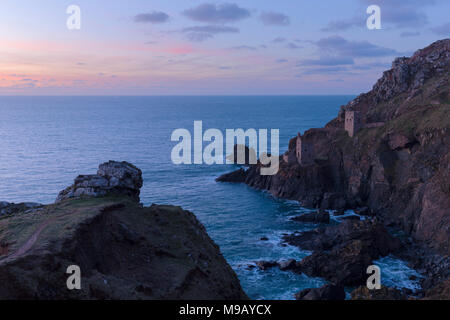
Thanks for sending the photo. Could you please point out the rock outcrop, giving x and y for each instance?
(342, 253)
(123, 250)
(112, 178)
(237, 176)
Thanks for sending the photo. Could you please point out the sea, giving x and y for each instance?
(45, 142)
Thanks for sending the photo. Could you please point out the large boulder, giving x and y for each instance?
(112, 178)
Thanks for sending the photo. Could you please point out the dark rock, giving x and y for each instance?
(364, 211)
(327, 292)
(432, 266)
(342, 253)
(314, 217)
(264, 265)
(356, 218)
(399, 141)
(264, 239)
(287, 264)
(237, 176)
(333, 200)
(439, 292)
(385, 293)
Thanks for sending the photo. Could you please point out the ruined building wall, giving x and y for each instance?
(352, 122)
(304, 151)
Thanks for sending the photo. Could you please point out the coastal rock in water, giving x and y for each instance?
(286, 265)
(327, 292)
(264, 265)
(369, 231)
(112, 178)
(341, 254)
(237, 176)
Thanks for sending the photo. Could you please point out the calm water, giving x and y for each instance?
(46, 142)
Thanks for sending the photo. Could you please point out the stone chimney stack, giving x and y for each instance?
(352, 122)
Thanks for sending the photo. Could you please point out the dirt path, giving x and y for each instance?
(30, 241)
(24, 248)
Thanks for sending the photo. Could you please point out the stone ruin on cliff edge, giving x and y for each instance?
(304, 149)
(352, 122)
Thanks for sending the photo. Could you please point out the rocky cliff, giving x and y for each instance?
(394, 166)
(124, 250)
(397, 164)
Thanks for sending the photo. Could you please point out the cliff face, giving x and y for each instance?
(124, 250)
(398, 164)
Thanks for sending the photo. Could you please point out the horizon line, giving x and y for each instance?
(176, 95)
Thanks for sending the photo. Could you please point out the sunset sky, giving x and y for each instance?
(179, 47)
